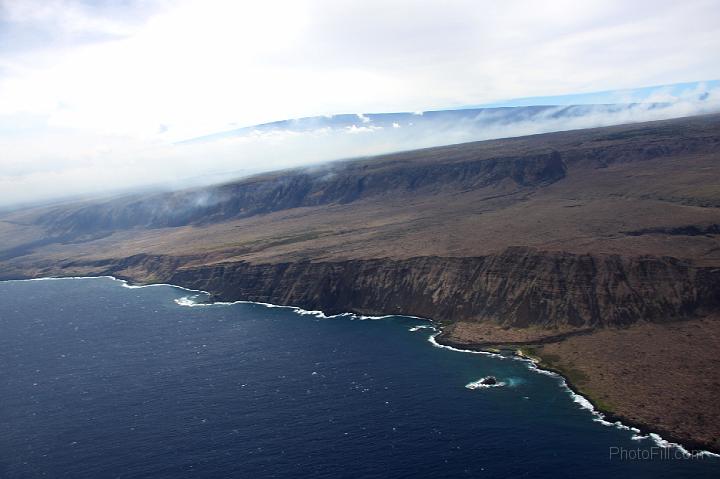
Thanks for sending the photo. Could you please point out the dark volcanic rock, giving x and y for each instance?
(488, 381)
(688, 230)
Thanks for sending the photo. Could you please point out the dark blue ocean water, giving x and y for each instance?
(99, 380)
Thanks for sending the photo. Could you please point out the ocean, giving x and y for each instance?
(102, 380)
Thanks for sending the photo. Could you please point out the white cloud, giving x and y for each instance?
(95, 89)
(362, 129)
(111, 164)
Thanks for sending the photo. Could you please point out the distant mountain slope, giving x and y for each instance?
(473, 119)
(524, 162)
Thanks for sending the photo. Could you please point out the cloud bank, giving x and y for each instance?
(224, 157)
(96, 96)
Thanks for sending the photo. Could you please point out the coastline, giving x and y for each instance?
(602, 415)
(607, 417)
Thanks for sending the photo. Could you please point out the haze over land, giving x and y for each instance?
(95, 97)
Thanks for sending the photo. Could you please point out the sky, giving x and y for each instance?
(96, 95)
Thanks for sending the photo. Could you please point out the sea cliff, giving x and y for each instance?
(519, 288)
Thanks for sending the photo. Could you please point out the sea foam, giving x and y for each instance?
(480, 385)
(433, 341)
(422, 326)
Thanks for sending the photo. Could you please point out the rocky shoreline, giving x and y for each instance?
(604, 413)
(665, 437)
(610, 416)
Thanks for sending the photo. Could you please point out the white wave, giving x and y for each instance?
(363, 317)
(581, 400)
(706, 454)
(267, 305)
(296, 309)
(480, 385)
(319, 314)
(659, 441)
(306, 312)
(127, 285)
(186, 301)
(532, 365)
(422, 326)
(139, 286)
(55, 278)
(433, 341)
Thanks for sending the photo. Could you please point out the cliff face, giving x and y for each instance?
(520, 287)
